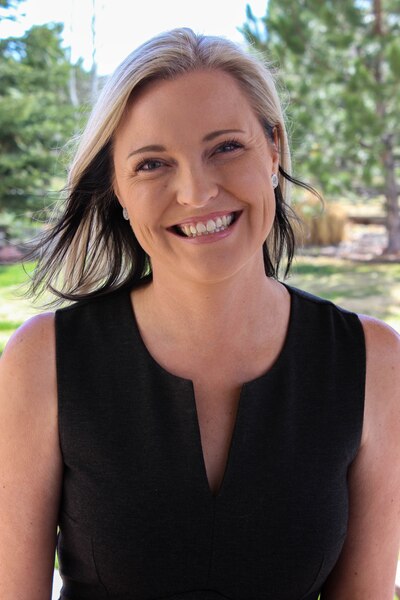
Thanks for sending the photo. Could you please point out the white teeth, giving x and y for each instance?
(212, 226)
(201, 228)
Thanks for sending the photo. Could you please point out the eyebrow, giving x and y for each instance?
(151, 148)
(208, 138)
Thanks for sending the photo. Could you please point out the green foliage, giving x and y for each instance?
(36, 115)
(340, 65)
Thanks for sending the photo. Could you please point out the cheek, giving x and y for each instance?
(140, 220)
(250, 174)
(269, 207)
(262, 202)
(253, 186)
(143, 236)
(146, 219)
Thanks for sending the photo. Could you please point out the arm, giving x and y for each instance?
(367, 566)
(30, 462)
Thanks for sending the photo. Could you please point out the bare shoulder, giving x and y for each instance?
(30, 460)
(382, 376)
(28, 375)
(30, 353)
(380, 337)
(35, 336)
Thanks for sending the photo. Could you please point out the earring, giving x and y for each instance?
(274, 180)
(125, 214)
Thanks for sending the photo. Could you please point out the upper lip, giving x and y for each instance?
(204, 218)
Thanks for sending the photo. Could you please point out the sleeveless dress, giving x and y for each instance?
(137, 518)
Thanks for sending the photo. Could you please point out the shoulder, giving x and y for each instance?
(27, 366)
(329, 324)
(382, 345)
(28, 389)
(382, 342)
(319, 303)
(30, 457)
(34, 339)
(90, 310)
(382, 395)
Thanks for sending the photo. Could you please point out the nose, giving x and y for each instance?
(195, 186)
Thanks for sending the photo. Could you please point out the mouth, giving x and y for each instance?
(200, 228)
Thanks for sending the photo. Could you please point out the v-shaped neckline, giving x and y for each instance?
(188, 385)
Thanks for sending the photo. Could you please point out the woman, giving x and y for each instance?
(197, 429)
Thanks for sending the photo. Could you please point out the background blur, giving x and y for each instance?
(338, 70)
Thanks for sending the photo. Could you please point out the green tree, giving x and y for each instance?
(340, 63)
(36, 115)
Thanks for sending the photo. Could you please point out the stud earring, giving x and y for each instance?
(274, 180)
(125, 214)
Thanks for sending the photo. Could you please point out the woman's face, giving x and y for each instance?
(193, 168)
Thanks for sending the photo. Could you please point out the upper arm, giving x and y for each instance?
(367, 566)
(30, 461)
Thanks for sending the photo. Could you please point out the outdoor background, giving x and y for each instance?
(338, 71)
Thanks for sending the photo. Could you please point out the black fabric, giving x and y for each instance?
(137, 518)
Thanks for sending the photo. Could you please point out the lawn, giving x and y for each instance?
(369, 288)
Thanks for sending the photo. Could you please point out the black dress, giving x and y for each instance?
(137, 518)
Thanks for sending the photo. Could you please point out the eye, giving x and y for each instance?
(228, 146)
(150, 164)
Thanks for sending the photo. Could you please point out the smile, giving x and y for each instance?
(207, 227)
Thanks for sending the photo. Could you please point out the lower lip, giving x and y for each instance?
(209, 238)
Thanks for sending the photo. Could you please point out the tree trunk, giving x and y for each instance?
(387, 159)
(392, 198)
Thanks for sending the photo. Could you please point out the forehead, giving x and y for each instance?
(198, 100)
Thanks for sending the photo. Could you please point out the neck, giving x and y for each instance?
(208, 312)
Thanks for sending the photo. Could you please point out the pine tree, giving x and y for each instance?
(340, 63)
(36, 116)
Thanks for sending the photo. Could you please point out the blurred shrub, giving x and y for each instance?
(319, 225)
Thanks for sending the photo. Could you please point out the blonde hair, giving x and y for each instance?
(90, 249)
